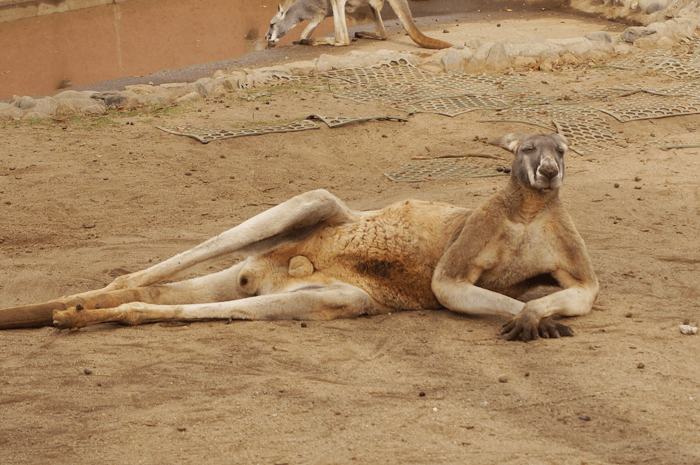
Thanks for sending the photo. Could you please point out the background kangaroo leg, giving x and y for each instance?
(380, 30)
(341, 27)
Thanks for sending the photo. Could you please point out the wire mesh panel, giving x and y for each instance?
(427, 170)
(583, 126)
(206, 135)
(645, 105)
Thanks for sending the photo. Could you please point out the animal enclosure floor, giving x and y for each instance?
(88, 199)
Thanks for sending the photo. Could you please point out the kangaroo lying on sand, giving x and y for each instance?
(312, 258)
(316, 11)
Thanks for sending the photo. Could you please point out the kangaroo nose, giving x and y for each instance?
(549, 169)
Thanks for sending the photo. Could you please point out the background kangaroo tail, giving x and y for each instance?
(404, 13)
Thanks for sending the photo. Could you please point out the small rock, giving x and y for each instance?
(303, 325)
(640, 365)
(87, 371)
(502, 379)
(584, 417)
(628, 315)
(181, 428)
(616, 185)
(421, 394)
(498, 25)
(687, 329)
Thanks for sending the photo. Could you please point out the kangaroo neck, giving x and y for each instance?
(523, 203)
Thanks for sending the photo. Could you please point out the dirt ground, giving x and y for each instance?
(85, 200)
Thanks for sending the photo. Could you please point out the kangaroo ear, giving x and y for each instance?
(284, 5)
(510, 142)
(561, 139)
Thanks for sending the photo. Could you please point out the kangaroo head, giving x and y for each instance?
(539, 159)
(280, 24)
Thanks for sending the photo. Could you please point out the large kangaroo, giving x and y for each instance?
(316, 11)
(313, 258)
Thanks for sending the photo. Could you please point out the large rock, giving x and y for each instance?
(188, 98)
(46, 105)
(24, 103)
(141, 89)
(532, 48)
(327, 63)
(479, 58)
(35, 115)
(577, 45)
(207, 87)
(9, 112)
(88, 105)
(66, 108)
(110, 98)
(456, 60)
(497, 60)
(632, 34)
(600, 36)
(73, 94)
(302, 68)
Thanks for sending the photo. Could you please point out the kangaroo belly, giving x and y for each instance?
(390, 253)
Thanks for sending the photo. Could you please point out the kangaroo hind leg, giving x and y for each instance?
(380, 31)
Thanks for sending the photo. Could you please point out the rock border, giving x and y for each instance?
(471, 57)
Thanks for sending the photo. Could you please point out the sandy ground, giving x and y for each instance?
(86, 200)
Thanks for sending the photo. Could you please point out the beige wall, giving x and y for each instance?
(126, 38)
(11, 10)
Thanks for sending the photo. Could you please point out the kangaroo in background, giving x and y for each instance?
(290, 14)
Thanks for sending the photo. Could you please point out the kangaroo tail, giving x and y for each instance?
(404, 13)
(29, 316)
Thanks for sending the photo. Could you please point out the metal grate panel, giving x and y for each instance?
(645, 105)
(428, 170)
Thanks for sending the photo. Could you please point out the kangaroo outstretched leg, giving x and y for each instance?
(285, 222)
(288, 222)
(311, 303)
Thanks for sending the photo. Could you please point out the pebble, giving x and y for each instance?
(87, 371)
(584, 417)
(687, 329)
(640, 365)
(421, 394)
(502, 379)
(181, 428)
(303, 325)
(616, 185)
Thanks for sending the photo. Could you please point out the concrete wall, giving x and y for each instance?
(50, 42)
